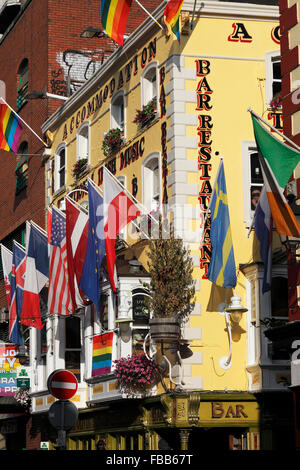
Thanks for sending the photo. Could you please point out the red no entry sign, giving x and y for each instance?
(62, 384)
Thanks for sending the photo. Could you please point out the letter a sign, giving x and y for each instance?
(62, 384)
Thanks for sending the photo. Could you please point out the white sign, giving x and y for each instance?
(44, 445)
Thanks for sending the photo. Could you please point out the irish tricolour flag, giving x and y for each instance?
(278, 162)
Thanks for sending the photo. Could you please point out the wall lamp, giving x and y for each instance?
(123, 324)
(91, 32)
(234, 312)
(37, 95)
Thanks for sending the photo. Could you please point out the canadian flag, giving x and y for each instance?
(119, 210)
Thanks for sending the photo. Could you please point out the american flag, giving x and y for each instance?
(59, 299)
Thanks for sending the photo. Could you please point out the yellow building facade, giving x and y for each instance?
(226, 62)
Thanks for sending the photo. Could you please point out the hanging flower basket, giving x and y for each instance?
(79, 167)
(23, 398)
(276, 102)
(146, 115)
(136, 374)
(112, 141)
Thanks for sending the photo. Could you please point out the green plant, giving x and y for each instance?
(171, 285)
(146, 113)
(112, 141)
(79, 167)
(276, 101)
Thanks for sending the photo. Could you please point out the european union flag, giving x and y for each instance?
(95, 251)
(221, 270)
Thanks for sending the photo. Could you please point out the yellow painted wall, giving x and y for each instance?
(237, 80)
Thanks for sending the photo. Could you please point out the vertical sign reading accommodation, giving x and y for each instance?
(204, 130)
(9, 365)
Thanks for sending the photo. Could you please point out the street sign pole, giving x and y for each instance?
(62, 414)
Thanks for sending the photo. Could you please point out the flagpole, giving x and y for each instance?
(274, 129)
(19, 117)
(149, 14)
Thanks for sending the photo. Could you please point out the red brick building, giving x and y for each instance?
(41, 49)
(290, 92)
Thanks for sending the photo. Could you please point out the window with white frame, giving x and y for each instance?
(265, 311)
(273, 75)
(59, 168)
(151, 182)
(73, 345)
(149, 83)
(252, 179)
(83, 142)
(117, 111)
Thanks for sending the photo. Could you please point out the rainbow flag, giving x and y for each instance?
(102, 354)
(114, 14)
(172, 12)
(10, 129)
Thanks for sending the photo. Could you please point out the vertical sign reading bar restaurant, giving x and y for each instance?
(204, 130)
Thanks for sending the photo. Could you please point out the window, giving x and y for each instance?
(73, 345)
(252, 180)
(21, 169)
(266, 311)
(104, 312)
(149, 83)
(59, 168)
(118, 111)
(273, 75)
(151, 183)
(22, 84)
(83, 142)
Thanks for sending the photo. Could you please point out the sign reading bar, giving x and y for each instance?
(228, 412)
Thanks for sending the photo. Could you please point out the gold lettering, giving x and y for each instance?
(217, 410)
(240, 411)
(231, 412)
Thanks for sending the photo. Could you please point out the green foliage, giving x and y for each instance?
(171, 284)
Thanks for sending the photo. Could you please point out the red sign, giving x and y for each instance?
(62, 384)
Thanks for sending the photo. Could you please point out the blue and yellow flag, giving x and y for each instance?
(221, 270)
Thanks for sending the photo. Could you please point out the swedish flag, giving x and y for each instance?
(221, 270)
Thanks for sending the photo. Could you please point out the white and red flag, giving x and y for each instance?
(77, 226)
(119, 210)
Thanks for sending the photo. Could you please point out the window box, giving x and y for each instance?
(147, 114)
(276, 102)
(112, 142)
(80, 167)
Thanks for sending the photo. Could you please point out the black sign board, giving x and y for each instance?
(140, 307)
